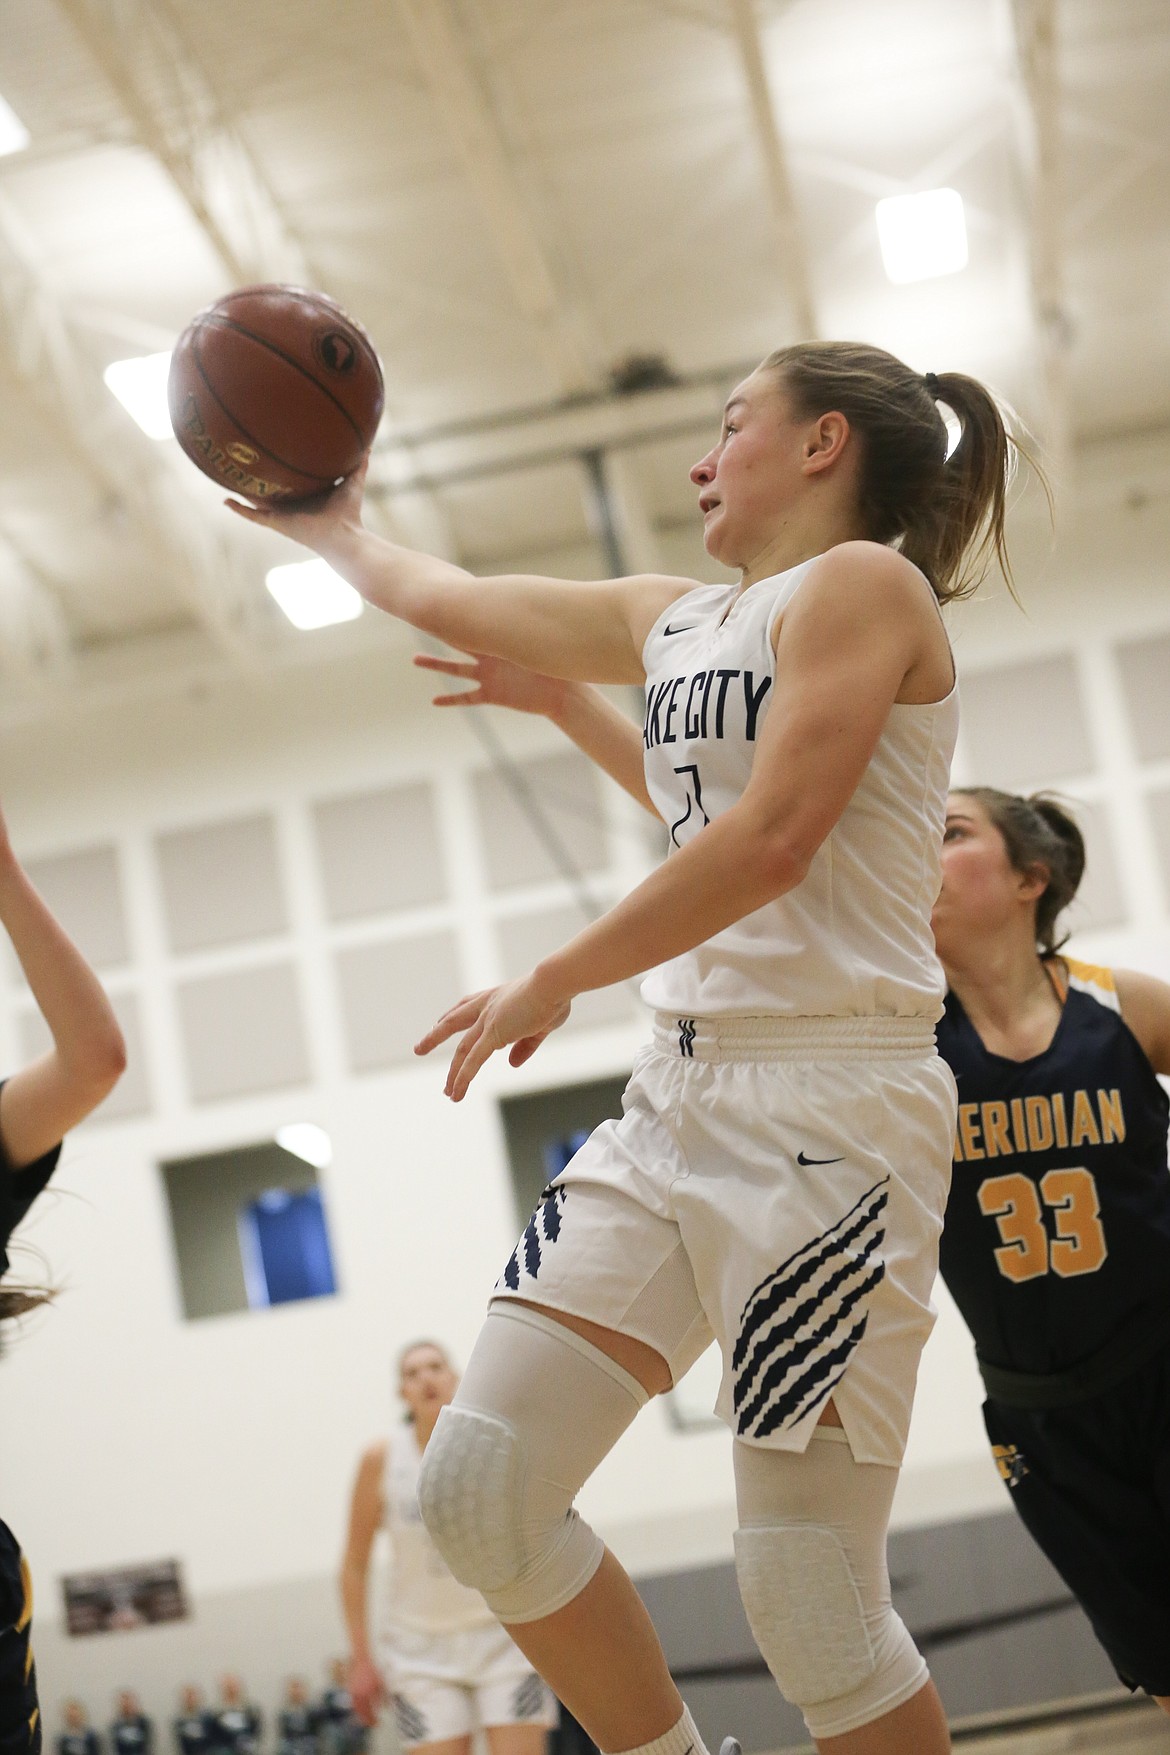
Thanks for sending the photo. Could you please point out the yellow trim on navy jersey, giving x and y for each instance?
(1095, 980)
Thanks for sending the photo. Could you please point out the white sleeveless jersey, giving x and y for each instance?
(421, 1596)
(853, 939)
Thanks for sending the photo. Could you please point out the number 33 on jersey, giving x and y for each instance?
(1058, 1225)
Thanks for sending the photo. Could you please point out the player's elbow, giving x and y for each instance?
(98, 1065)
(787, 866)
(778, 859)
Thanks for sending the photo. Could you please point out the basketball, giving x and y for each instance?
(274, 392)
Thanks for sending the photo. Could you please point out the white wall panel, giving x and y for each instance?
(379, 851)
(220, 883)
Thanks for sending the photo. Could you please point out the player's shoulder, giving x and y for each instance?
(862, 595)
(1094, 979)
(1145, 1005)
(373, 1458)
(653, 595)
(868, 581)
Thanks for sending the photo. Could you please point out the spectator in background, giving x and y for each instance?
(79, 1736)
(131, 1733)
(339, 1730)
(297, 1722)
(192, 1730)
(237, 1725)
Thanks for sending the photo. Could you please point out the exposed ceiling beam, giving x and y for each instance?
(574, 362)
(1034, 29)
(447, 67)
(47, 357)
(178, 116)
(785, 213)
(35, 649)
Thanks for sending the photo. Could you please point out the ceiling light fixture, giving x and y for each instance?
(140, 385)
(305, 1140)
(922, 236)
(312, 595)
(14, 136)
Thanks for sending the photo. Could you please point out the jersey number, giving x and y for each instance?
(1026, 1250)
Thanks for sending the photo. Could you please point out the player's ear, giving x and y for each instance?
(825, 441)
(1033, 881)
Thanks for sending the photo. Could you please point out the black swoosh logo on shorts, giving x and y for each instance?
(683, 630)
(805, 1162)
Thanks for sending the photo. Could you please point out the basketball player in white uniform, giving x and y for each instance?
(780, 1173)
(445, 1661)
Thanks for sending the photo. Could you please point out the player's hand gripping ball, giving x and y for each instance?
(275, 393)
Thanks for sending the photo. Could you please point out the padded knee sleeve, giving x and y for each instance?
(536, 1412)
(810, 1560)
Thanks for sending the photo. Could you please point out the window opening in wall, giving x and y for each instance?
(250, 1225)
(557, 1152)
(543, 1130)
(284, 1248)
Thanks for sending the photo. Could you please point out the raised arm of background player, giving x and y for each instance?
(591, 721)
(366, 1687)
(43, 1100)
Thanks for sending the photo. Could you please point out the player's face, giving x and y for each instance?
(751, 476)
(75, 1716)
(981, 892)
(428, 1382)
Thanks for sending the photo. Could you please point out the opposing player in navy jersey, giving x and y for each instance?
(779, 1176)
(39, 1102)
(1056, 1246)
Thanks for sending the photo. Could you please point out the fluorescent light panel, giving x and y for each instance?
(140, 385)
(312, 595)
(14, 136)
(304, 1139)
(922, 236)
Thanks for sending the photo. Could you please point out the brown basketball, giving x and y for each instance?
(274, 392)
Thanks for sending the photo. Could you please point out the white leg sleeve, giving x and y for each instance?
(810, 1555)
(537, 1410)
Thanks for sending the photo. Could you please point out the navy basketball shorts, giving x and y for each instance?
(777, 1185)
(20, 1720)
(1092, 1484)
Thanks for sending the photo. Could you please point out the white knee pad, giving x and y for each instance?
(535, 1413)
(811, 1566)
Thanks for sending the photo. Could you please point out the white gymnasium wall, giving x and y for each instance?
(230, 1442)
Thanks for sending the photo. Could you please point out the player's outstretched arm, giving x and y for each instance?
(598, 728)
(592, 631)
(846, 644)
(43, 1100)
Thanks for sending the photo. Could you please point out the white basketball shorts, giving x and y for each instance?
(775, 1184)
(445, 1685)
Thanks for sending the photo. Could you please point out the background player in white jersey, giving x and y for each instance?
(448, 1666)
(779, 1176)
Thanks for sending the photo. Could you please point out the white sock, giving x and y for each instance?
(682, 1739)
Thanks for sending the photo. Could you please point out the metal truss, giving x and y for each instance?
(790, 242)
(613, 498)
(1034, 35)
(47, 355)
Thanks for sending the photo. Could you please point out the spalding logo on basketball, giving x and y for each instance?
(336, 352)
(275, 392)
